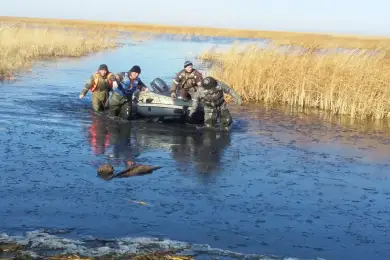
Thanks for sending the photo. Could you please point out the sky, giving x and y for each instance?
(365, 17)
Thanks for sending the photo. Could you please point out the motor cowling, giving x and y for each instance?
(159, 85)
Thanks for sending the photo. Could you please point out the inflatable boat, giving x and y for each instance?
(157, 103)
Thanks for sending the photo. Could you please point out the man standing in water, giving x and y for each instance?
(211, 94)
(188, 79)
(100, 85)
(122, 96)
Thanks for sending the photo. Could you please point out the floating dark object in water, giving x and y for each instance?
(106, 171)
(136, 170)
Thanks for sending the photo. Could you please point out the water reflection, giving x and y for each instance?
(112, 138)
(204, 150)
(121, 141)
(98, 135)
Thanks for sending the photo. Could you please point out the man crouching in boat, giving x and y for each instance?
(188, 79)
(100, 85)
(211, 94)
(122, 97)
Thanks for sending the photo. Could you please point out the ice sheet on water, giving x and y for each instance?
(41, 240)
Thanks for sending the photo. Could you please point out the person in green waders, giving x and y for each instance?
(100, 84)
(122, 96)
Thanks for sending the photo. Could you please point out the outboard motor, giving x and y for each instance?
(159, 85)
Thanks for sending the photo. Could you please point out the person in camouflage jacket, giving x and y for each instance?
(211, 95)
(186, 81)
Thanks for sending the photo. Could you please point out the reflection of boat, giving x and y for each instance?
(186, 145)
(202, 149)
(157, 103)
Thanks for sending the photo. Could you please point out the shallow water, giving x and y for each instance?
(284, 184)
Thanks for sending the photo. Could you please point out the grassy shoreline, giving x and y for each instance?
(353, 84)
(21, 46)
(309, 40)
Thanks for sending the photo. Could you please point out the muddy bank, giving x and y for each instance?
(13, 250)
(53, 244)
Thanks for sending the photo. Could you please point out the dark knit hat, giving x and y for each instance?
(103, 67)
(187, 63)
(136, 69)
(209, 82)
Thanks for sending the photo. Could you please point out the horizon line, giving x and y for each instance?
(251, 33)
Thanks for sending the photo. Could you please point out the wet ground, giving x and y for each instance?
(281, 183)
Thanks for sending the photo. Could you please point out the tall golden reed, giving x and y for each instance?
(354, 84)
(277, 37)
(20, 45)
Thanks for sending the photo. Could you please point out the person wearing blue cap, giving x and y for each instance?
(186, 81)
(129, 84)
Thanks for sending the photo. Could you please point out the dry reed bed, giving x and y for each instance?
(357, 84)
(20, 46)
(277, 37)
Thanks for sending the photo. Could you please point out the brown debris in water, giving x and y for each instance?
(106, 171)
(136, 170)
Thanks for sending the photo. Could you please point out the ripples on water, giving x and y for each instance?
(281, 183)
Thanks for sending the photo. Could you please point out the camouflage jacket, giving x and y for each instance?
(186, 80)
(213, 97)
(97, 83)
